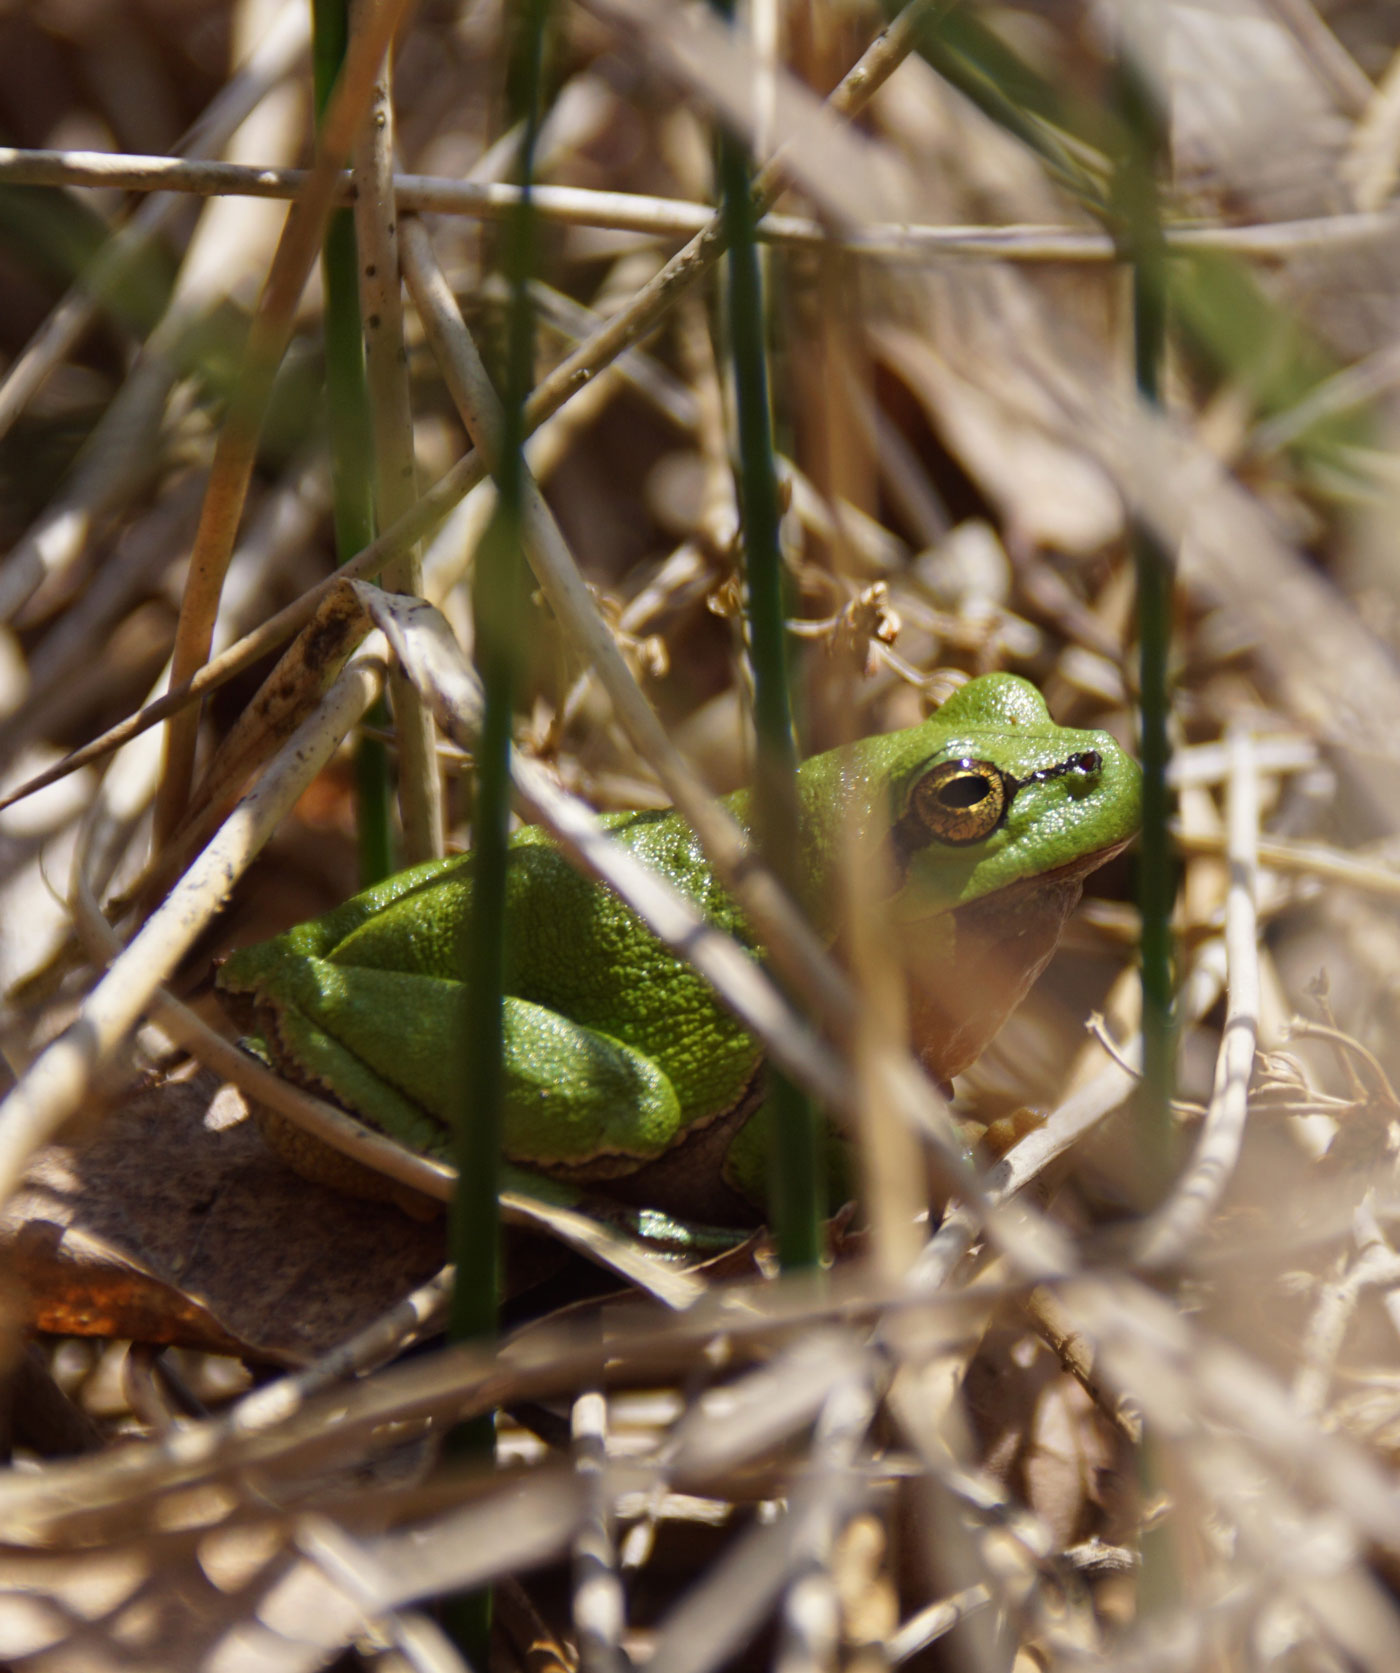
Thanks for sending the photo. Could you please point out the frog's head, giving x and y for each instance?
(991, 794)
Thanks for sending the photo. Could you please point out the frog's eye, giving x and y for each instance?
(960, 802)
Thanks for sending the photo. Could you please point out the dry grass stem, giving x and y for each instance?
(1178, 1225)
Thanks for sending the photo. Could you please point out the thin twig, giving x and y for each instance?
(600, 1604)
(1308, 859)
(931, 1624)
(901, 242)
(1376, 1265)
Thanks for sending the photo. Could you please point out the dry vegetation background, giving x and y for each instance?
(1048, 1434)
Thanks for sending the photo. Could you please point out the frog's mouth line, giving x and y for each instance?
(1079, 868)
(1071, 871)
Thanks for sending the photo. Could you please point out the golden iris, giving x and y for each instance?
(960, 802)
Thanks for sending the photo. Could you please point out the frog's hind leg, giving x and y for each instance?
(580, 1102)
(323, 1064)
(388, 1044)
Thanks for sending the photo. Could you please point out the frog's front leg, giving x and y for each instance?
(382, 1044)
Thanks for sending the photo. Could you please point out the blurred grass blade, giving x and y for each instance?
(1072, 139)
(64, 240)
(1234, 331)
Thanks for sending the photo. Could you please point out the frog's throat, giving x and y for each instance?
(963, 987)
(1067, 873)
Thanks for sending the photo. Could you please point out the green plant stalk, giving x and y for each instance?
(797, 1172)
(475, 1220)
(1157, 859)
(499, 599)
(499, 602)
(351, 437)
(1139, 227)
(1139, 230)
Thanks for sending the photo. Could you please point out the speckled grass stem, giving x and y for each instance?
(499, 598)
(796, 1177)
(396, 480)
(351, 436)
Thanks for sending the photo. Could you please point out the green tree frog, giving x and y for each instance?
(623, 1067)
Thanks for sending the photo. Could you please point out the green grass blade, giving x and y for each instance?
(1137, 217)
(351, 437)
(499, 601)
(797, 1175)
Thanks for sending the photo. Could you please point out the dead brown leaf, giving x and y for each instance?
(177, 1225)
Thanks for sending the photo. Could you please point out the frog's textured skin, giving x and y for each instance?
(622, 1065)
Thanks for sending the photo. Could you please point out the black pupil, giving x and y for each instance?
(965, 791)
